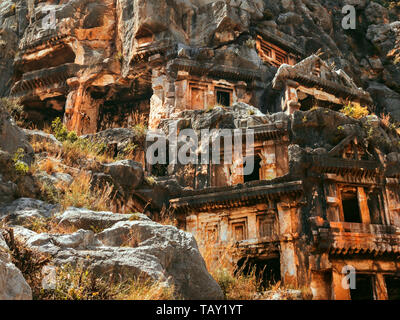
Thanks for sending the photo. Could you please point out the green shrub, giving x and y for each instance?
(59, 130)
(355, 111)
(20, 166)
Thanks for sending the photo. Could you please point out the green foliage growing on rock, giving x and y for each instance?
(355, 111)
(20, 166)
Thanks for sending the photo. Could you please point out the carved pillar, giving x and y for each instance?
(332, 199)
(159, 109)
(338, 291)
(237, 169)
(292, 101)
(82, 111)
(380, 285)
(268, 163)
(224, 227)
(289, 213)
(252, 226)
(363, 201)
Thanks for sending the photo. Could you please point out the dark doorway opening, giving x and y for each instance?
(393, 287)
(267, 271)
(255, 175)
(224, 98)
(364, 288)
(374, 205)
(351, 208)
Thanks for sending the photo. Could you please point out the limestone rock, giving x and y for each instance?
(24, 209)
(87, 219)
(12, 137)
(126, 173)
(131, 249)
(12, 284)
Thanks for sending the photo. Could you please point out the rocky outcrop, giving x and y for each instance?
(12, 137)
(12, 284)
(108, 54)
(125, 247)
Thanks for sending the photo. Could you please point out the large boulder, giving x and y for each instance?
(45, 138)
(126, 173)
(12, 138)
(8, 190)
(117, 245)
(387, 100)
(12, 283)
(131, 249)
(87, 219)
(24, 209)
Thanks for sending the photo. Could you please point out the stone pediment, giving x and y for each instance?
(314, 72)
(351, 148)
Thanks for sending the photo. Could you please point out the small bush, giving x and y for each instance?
(20, 166)
(12, 106)
(355, 111)
(235, 284)
(59, 130)
(80, 194)
(76, 283)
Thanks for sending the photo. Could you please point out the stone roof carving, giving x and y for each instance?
(315, 72)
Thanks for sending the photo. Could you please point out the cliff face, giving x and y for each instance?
(324, 186)
(98, 57)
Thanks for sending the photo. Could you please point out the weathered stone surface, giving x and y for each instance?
(24, 209)
(12, 137)
(126, 173)
(42, 137)
(7, 190)
(92, 220)
(131, 249)
(12, 284)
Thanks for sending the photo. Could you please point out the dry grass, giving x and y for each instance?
(235, 284)
(385, 118)
(147, 290)
(78, 283)
(48, 165)
(28, 261)
(47, 225)
(80, 194)
(44, 146)
(74, 152)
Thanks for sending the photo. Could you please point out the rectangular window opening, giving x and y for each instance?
(255, 175)
(364, 288)
(351, 207)
(393, 287)
(223, 98)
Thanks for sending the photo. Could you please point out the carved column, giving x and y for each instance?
(289, 224)
(268, 163)
(332, 199)
(363, 201)
(224, 227)
(158, 107)
(380, 285)
(338, 291)
(82, 111)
